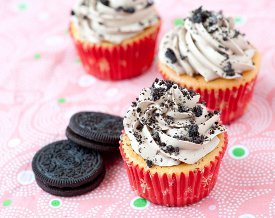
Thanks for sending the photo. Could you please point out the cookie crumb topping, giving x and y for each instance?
(167, 120)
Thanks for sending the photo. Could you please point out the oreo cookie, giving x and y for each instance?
(70, 192)
(88, 143)
(97, 127)
(64, 168)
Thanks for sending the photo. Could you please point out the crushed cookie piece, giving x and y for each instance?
(211, 131)
(197, 110)
(228, 70)
(171, 149)
(129, 10)
(223, 54)
(192, 93)
(149, 3)
(156, 137)
(170, 54)
(216, 112)
(105, 2)
(149, 163)
(193, 130)
(199, 15)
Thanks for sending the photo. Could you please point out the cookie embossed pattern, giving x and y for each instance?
(32, 116)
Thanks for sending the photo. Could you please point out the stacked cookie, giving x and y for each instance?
(73, 167)
(95, 130)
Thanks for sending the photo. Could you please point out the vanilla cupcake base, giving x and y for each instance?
(230, 97)
(109, 61)
(177, 185)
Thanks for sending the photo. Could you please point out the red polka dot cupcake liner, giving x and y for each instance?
(118, 62)
(232, 103)
(173, 189)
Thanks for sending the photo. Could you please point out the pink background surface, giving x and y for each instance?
(42, 84)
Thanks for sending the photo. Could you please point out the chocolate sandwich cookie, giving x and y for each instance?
(66, 169)
(70, 192)
(89, 143)
(97, 127)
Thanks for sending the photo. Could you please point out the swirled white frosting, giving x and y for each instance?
(207, 44)
(167, 125)
(113, 20)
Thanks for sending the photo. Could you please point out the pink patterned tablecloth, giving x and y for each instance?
(42, 84)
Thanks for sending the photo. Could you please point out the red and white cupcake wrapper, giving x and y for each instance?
(118, 62)
(232, 103)
(174, 190)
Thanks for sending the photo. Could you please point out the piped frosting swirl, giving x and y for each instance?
(167, 125)
(208, 45)
(113, 20)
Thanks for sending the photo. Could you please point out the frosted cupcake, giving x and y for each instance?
(208, 55)
(172, 145)
(115, 39)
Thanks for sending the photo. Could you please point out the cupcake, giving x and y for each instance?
(115, 39)
(208, 55)
(172, 145)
